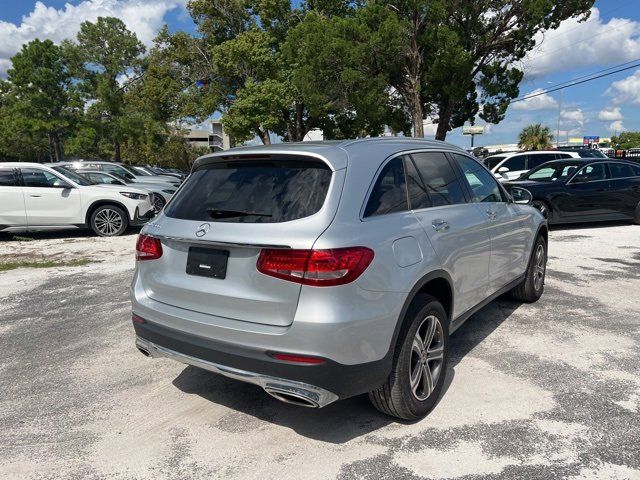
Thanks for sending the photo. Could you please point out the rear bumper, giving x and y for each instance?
(318, 384)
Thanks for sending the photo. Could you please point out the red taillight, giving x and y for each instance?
(286, 357)
(321, 268)
(148, 248)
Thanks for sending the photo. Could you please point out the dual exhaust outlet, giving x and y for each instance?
(287, 391)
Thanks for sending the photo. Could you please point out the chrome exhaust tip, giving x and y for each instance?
(300, 398)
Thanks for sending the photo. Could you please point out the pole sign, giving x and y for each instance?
(472, 130)
(590, 140)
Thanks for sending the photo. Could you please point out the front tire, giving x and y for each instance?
(108, 221)
(158, 202)
(419, 366)
(532, 286)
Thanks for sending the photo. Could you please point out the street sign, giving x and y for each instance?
(472, 130)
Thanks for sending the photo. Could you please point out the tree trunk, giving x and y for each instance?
(416, 116)
(116, 153)
(444, 118)
(57, 147)
(299, 122)
(52, 148)
(263, 135)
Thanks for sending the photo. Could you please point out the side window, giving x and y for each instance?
(34, 177)
(593, 172)
(539, 159)
(560, 156)
(483, 185)
(516, 163)
(636, 170)
(418, 196)
(440, 178)
(389, 193)
(7, 178)
(620, 170)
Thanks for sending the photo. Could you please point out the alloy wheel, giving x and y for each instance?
(108, 222)
(427, 355)
(539, 268)
(158, 202)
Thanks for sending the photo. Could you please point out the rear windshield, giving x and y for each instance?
(252, 191)
(591, 154)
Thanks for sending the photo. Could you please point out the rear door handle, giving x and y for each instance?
(440, 225)
(34, 195)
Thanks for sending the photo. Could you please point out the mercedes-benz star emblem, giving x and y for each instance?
(202, 230)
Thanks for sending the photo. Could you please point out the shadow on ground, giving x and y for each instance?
(61, 234)
(338, 422)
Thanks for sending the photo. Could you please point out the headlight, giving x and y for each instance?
(170, 192)
(134, 196)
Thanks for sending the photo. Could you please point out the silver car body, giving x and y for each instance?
(479, 249)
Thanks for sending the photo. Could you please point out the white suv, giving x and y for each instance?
(509, 166)
(35, 196)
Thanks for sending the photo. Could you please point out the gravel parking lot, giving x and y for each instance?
(549, 390)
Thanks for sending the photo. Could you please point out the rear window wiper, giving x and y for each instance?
(216, 213)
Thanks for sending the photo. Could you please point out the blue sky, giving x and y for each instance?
(602, 107)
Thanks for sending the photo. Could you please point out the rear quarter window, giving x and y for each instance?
(260, 191)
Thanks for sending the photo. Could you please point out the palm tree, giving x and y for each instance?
(535, 137)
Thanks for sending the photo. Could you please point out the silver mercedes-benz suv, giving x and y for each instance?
(320, 271)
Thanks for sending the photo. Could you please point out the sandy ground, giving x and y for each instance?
(542, 391)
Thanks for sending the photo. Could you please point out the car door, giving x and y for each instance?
(50, 199)
(624, 188)
(456, 228)
(12, 212)
(507, 229)
(586, 196)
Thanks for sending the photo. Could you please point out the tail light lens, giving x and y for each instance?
(320, 268)
(148, 248)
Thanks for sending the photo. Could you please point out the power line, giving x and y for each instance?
(572, 83)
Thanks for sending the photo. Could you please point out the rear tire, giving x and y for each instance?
(531, 288)
(419, 366)
(108, 221)
(636, 217)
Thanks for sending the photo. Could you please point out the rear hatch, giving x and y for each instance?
(216, 225)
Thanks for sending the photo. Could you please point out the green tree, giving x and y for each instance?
(535, 137)
(108, 60)
(626, 140)
(44, 104)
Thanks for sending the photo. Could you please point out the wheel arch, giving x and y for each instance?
(101, 203)
(438, 284)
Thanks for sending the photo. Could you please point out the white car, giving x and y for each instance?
(509, 166)
(120, 169)
(34, 196)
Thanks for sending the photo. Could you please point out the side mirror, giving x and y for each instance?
(521, 196)
(580, 179)
(503, 170)
(62, 185)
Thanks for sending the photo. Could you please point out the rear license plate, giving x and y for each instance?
(207, 262)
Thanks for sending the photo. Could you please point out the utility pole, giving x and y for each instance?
(559, 115)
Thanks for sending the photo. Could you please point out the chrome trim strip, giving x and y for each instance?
(214, 242)
(316, 396)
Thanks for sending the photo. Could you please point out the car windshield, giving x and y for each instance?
(142, 171)
(551, 172)
(591, 154)
(491, 162)
(71, 175)
(122, 178)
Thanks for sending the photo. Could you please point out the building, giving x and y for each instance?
(213, 138)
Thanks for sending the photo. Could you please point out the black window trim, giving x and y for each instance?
(16, 176)
(382, 166)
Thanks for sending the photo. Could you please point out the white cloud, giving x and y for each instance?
(587, 44)
(544, 101)
(626, 90)
(573, 116)
(617, 126)
(610, 114)
(144, 17)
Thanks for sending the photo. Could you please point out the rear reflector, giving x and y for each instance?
(298, 358)
(320, 268)
(137, 319)
(148, 248)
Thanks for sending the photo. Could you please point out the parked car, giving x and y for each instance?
(325, 270)
(147, 171)
(35, 196)
(511, 166)
(160, 193)
(584, 190)
(120, 169)
(585, 152)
